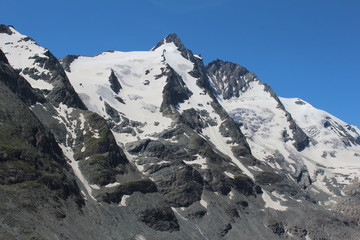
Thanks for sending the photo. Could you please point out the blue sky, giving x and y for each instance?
(302, 48)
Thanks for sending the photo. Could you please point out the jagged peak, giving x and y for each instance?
(6, 29)
(171, 38)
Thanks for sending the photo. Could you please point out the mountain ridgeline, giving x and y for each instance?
(156, 145)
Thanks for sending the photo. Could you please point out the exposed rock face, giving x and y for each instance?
(32, 166)
(66, 61)
(171, 149)
(3, 59)
(231, 78)
(350, 204)
(114, 82)
(174, 91)
(5, 29)
(101, 159)
(181, 188)
(154, 212)
(62, 91)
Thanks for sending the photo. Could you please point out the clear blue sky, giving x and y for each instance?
(302, 48)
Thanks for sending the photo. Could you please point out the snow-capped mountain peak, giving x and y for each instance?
(162, 147)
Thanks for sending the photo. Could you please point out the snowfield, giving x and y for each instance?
(141, 91)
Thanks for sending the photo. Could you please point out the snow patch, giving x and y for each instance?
(75, 166)
(123, 201)
(96, 134)
(198, 161)
(204, 203)
(39, 84)
(270, 203)
(83, 149)
(231, 195)
(110, 185)
(94, 186)
(229, 174)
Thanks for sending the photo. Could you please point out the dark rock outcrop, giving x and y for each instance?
(152, 210)
(5, 29)
(174, 92)
(3, 58)
(245, 185)
(181, 187)
(114, 82)
(115, 116)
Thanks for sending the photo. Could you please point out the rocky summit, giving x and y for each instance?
(156, 145)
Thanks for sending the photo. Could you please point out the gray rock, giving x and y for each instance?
(114, 82)
(5, 29)
(174, 91)
(114, 195)
(180, 188)
(67, 60)
(154, 212)
(231, 75)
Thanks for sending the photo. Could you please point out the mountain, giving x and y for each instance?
(156, 145)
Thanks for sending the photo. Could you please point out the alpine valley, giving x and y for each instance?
(156, 145)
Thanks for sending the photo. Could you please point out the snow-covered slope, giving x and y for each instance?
(334, 152)
(39, 67)
(22, 52)
(329, 158)
(139, 98)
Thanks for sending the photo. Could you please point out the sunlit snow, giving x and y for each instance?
(141, 101)
(20, 51)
